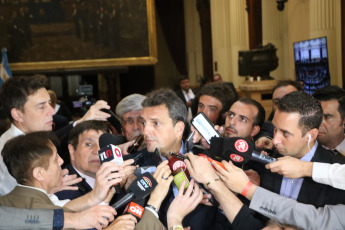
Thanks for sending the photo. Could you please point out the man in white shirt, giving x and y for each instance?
(26, 102)
(186, 94)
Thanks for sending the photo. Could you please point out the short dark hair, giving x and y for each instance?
(282, 83)
(260, 117)
(182, 78)
(15, 91)
(332, 92)
(329, 93)
(306, 106)
(73, 137)
(25, 152)
(220, 91)
(176, 107)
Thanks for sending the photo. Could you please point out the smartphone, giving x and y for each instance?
(136, 144)
(205, 127)
(114, 120)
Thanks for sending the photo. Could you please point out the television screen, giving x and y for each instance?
(311, 63)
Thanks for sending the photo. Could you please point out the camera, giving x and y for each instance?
(84, 91)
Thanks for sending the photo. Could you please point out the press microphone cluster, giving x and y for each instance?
(140, 188)
(236, 149)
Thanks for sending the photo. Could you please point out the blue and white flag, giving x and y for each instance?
(5, 71)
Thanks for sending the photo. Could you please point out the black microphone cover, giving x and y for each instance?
(140, 188)
(238, 150)
(107, 139)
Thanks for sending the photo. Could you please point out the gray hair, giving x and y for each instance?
(129, 103)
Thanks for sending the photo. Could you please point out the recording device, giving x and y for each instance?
(236, 149)
(114, 120)
(189, 142)
(180, 173)
(140, 188)
(136, 144)
(85, 91)
(205, 127)
(109, 152)
(141, 170)
(136, 208)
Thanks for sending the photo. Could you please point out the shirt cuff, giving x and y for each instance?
(58, 219)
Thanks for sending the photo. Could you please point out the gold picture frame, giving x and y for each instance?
(41, 60)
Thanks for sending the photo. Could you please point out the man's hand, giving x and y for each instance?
(124, 147)
(184, 203)
(234, 178)
(264, 142)
(291, 167)
(95, 113)
(164, 178)
(108, 175)
(128, 169)
(98, 217)
(253, 176)
(66, 182)
(124, 222)
(200, 168)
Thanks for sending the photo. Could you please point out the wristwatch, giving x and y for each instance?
(176, 227)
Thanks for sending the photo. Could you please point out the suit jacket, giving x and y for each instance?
(83, 187)
(304, 216)
(180, 94)
(202, 217)
(149, 222)
(25, 218)
(22, 197)
(311, 192)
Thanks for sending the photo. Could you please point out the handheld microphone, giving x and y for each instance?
(179, 170)
(238, 150)
(109, 152)
(140, 188)
(136, 208)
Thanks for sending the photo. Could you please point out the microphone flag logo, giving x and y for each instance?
(179, 164)
(241, 145)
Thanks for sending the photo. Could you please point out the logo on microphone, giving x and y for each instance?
(241, 146)
(135, 209)
(236, 158)
(144, 183)
(179, 164)
(117, 151)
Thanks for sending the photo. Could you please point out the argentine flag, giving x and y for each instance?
(5, 71)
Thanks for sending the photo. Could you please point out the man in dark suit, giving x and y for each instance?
(164, 118)
(186, 94)
(296, 120)
(83, 148)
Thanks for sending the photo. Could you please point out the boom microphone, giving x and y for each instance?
(238, 150)
(140, 188)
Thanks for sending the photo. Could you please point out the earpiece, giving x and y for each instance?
(309, 138)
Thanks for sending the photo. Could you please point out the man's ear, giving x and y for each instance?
(37, 173)
(179, 127)
(71, 152)
(313, 134)
(256, 130)
(17, 115)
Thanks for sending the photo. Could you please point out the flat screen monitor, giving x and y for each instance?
(311, 63)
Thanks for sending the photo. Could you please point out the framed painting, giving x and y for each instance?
(59, 35)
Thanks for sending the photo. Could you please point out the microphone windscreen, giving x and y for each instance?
(237, 150)
(142, 186)
(106, 139)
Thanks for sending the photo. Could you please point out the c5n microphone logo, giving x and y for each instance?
(135, 209)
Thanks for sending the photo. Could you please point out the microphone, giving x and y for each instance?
(136, 208)
(140, 188)
(238, 150)
(109, 152)
(179, 170)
